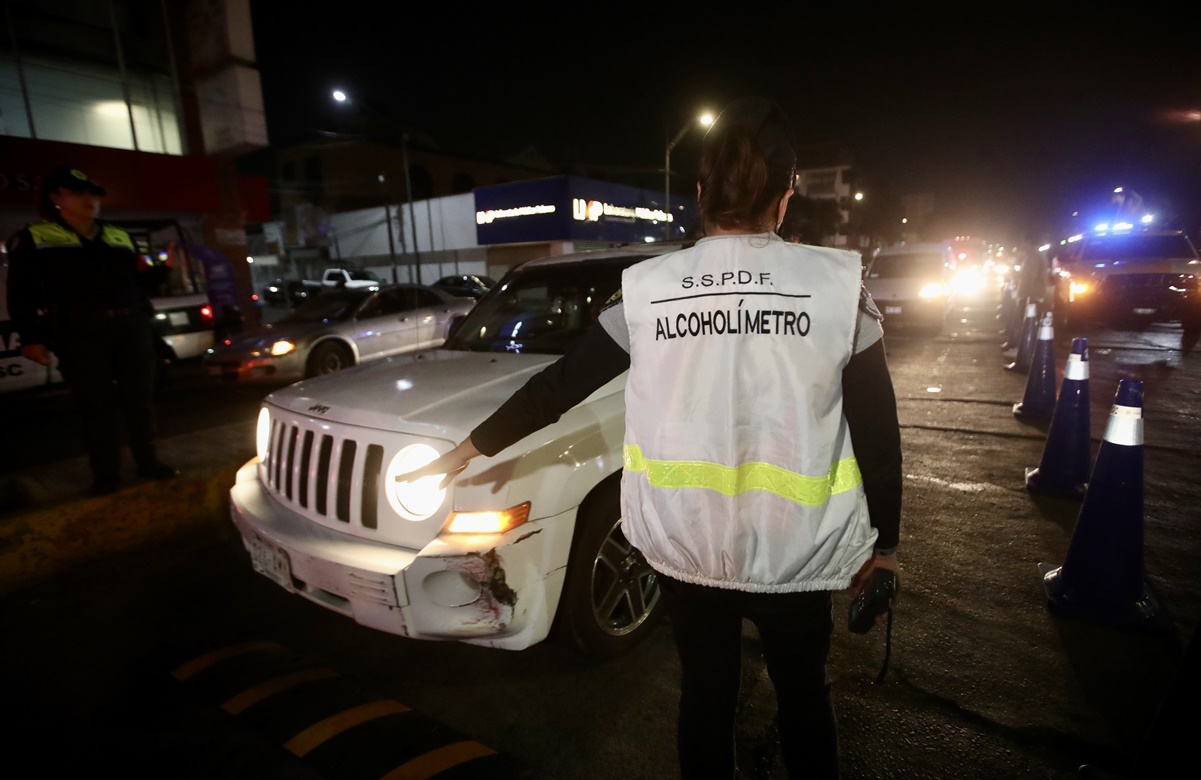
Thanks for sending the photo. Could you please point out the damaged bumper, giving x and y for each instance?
(499, 590)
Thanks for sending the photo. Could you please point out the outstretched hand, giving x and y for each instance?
(451, 464)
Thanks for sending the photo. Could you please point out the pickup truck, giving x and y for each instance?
(351, 278)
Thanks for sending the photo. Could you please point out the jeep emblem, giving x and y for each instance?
(319, 408)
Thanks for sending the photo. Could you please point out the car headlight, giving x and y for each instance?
(932, 290)
(282, 348)
(262, 433)
(419, 499)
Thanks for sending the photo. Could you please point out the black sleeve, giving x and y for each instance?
(595, 360)
(870, 406)
(25, 289)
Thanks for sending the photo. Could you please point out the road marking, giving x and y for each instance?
(199, 664)
(435, 761)
(315, 735)
(263, 690)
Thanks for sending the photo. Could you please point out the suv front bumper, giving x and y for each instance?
(499, 590)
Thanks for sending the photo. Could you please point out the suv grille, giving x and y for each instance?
(324, 474)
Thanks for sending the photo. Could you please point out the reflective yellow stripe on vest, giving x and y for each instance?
(46, 234)
(735, 480)
(52, 234)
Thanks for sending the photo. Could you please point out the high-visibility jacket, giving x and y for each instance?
(55, 274)
(739, 471)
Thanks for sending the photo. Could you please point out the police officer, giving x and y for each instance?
(762, 459)
(75, 289)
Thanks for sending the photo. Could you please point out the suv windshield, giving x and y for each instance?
(901, 266)
(542, 311)
(1135, 246)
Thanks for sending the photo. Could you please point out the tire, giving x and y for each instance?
(611, 599)
(327, 358)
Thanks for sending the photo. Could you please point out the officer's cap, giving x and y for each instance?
(71, 179)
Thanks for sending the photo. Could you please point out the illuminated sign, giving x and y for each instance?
(592, 210)
(491, 215)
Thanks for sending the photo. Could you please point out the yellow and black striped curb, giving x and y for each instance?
(338, 728)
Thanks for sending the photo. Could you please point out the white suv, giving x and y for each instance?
(521, 540)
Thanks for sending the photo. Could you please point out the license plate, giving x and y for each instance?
(1144, 311)
(270, 561)
(178, 318)
(892, 309)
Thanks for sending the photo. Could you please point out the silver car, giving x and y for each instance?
(337, 329)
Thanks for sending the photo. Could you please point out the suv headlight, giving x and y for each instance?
(262, 434)
(419, 499)
(932, 290)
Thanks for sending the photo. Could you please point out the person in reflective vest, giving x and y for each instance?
(762, 458)
(75, 289)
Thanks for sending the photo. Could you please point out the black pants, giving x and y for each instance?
(109, 364)
(795, 631)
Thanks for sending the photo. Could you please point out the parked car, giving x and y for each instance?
(1135, 277)
(337, 329)
(466, 285)
(520, 541)
(335, 278)
(184, 324)
(911, 285)
(276, 292)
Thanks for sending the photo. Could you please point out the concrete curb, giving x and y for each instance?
(52, 526)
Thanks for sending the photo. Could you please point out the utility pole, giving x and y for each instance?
(404, 153)
(388, 219)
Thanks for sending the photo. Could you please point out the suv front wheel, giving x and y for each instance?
(611, 599)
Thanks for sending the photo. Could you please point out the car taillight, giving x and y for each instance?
(206, 315)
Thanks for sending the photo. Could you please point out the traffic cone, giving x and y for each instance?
(1026, 340)
(1102, 575)
(1038, 403)
(1063, 469)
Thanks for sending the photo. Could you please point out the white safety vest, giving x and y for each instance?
(739, 471)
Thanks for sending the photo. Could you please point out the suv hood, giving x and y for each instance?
(440, 394)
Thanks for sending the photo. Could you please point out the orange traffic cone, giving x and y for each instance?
(1038, 404)
(1102, 575)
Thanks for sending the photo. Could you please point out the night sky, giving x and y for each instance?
(1011, 122)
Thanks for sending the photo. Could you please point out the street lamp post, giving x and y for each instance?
(388, 219)
(704, 120)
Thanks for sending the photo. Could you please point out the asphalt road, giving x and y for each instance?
(141, 638)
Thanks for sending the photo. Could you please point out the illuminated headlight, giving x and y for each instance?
(262, 433)
(488, 522)
(967, 281)
(1078, 288)
(282, 348)
(932, 290)
(414, 500)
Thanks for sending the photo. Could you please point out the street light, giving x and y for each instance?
(704, 120)
(342, 97)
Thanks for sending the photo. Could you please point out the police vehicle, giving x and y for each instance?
(519, 542)
(1130, 277)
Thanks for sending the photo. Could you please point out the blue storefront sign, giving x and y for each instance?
(573, 208)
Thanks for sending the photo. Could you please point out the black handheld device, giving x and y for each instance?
(874, 600)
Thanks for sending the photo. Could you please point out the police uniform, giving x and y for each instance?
(84, 299)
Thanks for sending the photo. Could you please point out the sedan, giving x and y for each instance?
(337, 329)
(466, 285)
